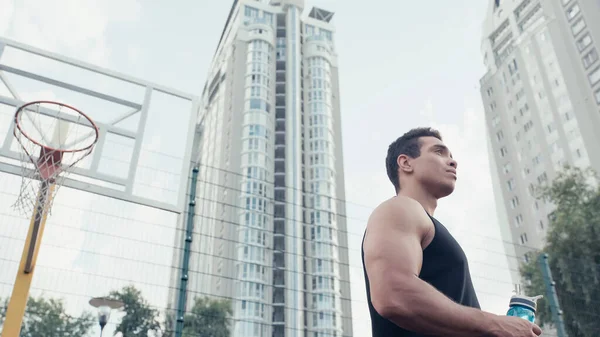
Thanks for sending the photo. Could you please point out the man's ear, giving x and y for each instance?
(404, 163)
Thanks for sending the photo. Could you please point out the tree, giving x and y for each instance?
(573, 245)
(47, 317)
(208, 318)
(140, 317)
(3, 307)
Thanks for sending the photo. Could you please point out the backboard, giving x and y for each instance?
(145, 130)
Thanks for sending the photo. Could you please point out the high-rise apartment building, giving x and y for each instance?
(541, 96)
(270, 229)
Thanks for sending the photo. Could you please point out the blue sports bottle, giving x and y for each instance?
(523, 306)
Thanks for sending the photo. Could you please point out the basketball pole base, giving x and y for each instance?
(18, 299)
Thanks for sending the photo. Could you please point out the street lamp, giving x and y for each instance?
(105, 306)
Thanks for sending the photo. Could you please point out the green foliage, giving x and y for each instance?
(140, 317)
(573, 245)
(208, 317)
(47, 317)
(3, 307)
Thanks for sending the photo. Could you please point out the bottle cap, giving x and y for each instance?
(528, 302)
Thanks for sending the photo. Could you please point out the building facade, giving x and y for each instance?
(541, 95)
(270, 230)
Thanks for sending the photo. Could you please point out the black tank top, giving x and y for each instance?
(445, 267)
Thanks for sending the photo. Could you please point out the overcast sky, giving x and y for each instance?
(402, 65)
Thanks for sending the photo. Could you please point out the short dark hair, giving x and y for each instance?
(408, 144)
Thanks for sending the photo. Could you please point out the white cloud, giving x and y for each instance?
(71, 27)
(133, 54)
(6, 14)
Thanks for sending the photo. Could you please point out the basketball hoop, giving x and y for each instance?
(45, 162)
(54, 137)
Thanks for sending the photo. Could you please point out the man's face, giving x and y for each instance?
(435, 168)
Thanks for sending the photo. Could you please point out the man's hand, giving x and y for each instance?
(509, 326)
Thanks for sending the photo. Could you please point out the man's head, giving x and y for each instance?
(420, 157)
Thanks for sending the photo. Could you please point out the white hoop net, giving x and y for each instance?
(53, 138)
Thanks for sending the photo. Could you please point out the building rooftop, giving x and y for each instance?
(320, 14)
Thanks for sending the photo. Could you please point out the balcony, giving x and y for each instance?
(257, 21)
(315, 38)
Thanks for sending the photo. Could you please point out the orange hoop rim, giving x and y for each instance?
(18, 126)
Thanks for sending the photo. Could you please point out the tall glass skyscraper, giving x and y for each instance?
(270, 228)
(542, 101)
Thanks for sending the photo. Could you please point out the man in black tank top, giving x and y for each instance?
(416, 274)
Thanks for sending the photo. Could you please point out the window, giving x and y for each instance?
(514, 202)
(595, 76)
(512, 67)
(583, 42)
(503, 152)
(251, 12)
(590, 58)
(510, 184)
(328, 34)
(542, 178)
(531, 189)
(506, 168)
(541, 224)
(578, 153)
(597, 94)
(550, 127)
(528, 126)
(578, 26)
(499, 135)
(310, 30)
(519, 220)
(573, 11)
(523, 110)
(567, 116)
(523, 238)
(490, 91)
(493, 106)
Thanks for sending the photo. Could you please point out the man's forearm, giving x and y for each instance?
(425, 310)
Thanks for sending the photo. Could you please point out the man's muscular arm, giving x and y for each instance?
(393, 259)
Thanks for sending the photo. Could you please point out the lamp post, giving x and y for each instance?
(105, 306)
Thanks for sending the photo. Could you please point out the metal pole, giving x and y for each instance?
(185, 263)
(557, 316)
(20, 292)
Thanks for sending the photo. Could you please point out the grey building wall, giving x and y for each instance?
(541, 96)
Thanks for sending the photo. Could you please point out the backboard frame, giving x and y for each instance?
(126, 186)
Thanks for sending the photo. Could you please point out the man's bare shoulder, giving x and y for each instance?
(400, 211)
